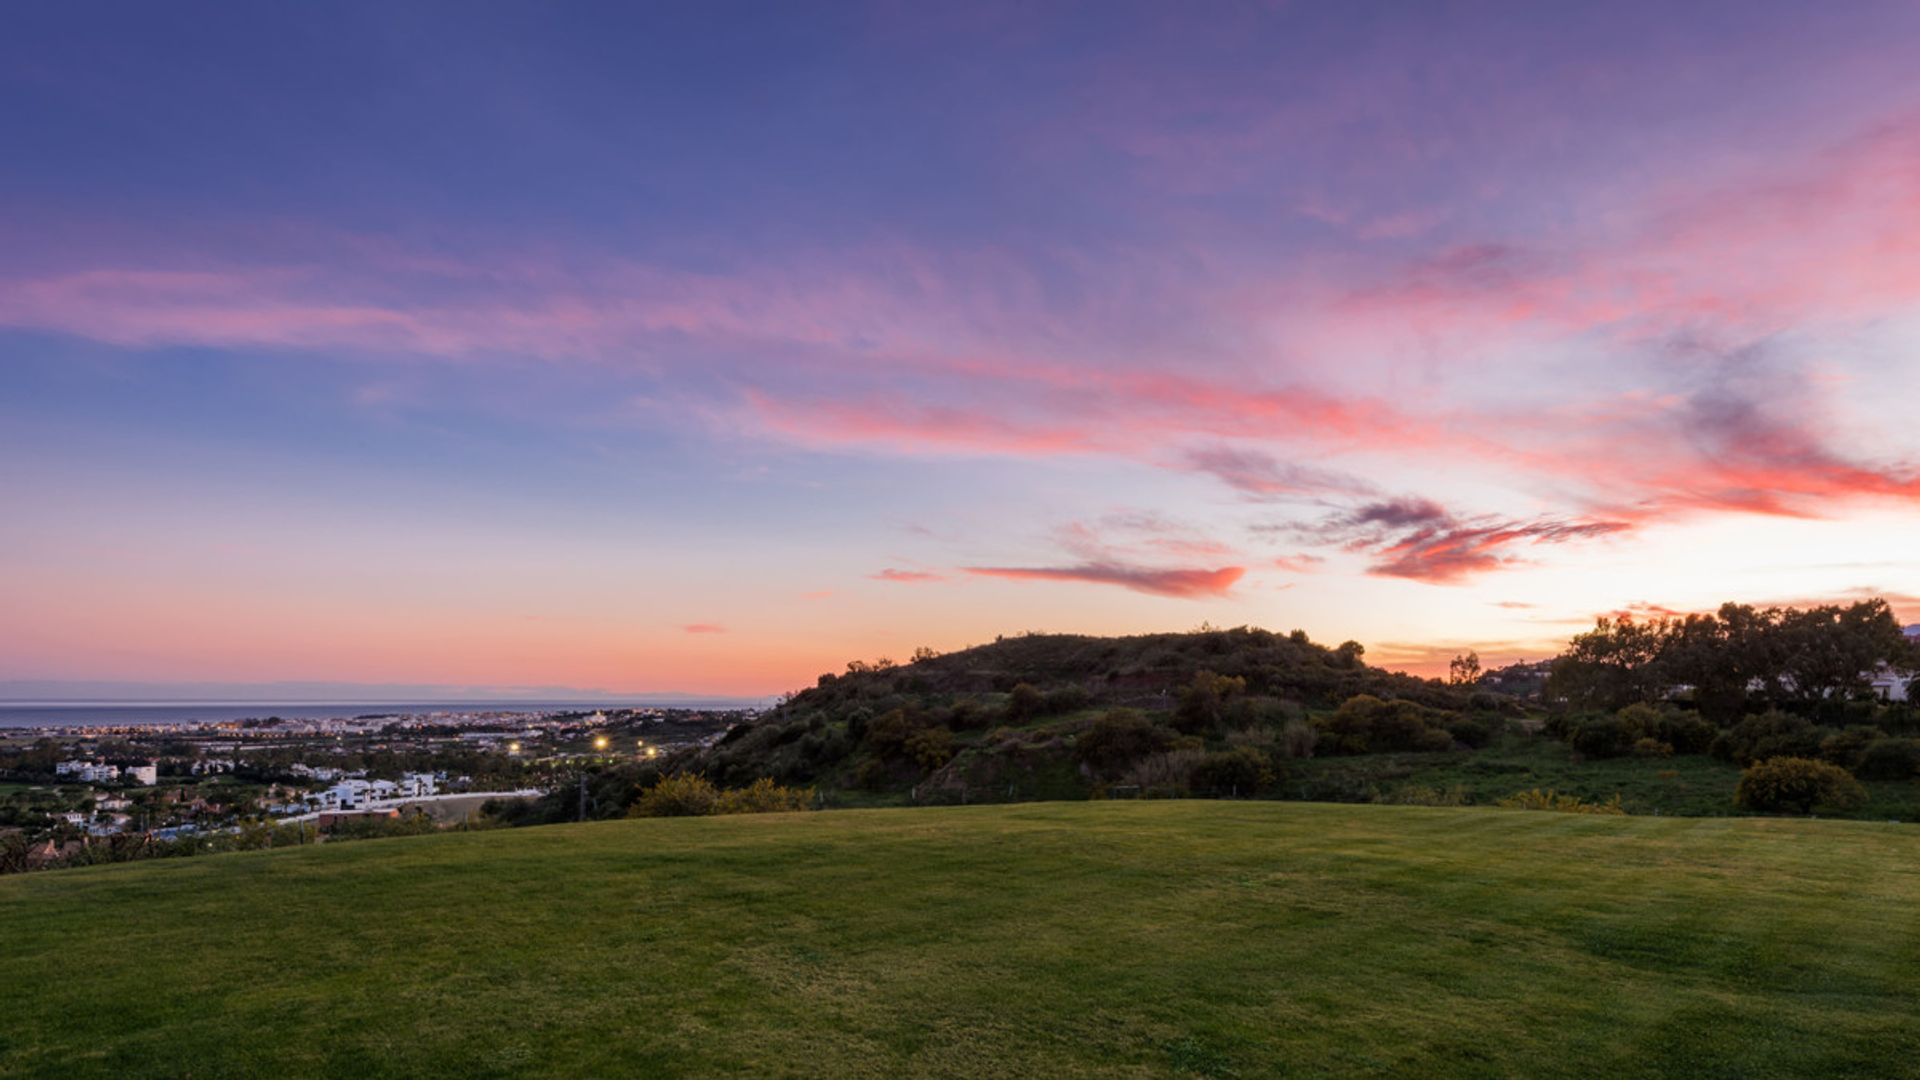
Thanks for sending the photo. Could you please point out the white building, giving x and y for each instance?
(145, 775)
(416, 785)
(345, 795)
(91, 772)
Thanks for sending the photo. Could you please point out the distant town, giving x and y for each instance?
(71, 794)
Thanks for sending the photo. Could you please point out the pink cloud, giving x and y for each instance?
(1421, 540)
(908, 577)
(1157, 582)
(704, 628)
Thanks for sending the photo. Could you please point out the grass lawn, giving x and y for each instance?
(1688, 784)
(1107, 938)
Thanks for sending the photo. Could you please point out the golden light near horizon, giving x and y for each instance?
(599, 742)
(513, 748)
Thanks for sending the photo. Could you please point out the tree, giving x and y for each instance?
(1464, 670)
(1610, 666)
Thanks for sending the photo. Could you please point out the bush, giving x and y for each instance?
(1068, 699)
(1471, 733)
(763, 796)
(1118, 739)
(1652, 748)
(1558, 803)
(1170, 773)
(1769, 735)
(931, 747)
(1203, 703)
(1364, 724)
(1889, 759)
(1798, 784)
(1297, 738)
(688, 795)
(1239, 771)
(1025, 702)
(1686, 732)
(1603, 737)
(1844, 748)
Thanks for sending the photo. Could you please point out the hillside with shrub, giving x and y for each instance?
(1213, 712)
(1665, 715)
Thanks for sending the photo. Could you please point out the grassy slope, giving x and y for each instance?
(1691, 785)
(1112, 938)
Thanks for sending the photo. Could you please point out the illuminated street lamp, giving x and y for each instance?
(513, 748)
(599, 742)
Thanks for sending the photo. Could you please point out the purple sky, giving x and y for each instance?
(707, 347)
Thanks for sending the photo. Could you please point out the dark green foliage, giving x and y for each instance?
(930, 747)
(1242, 770)
(1112, 743)
(1471, 732)
(1771, 734)
(1603, 736)
(1843, 748)
(1799, 785)
(1025, 702)
(1815, 659)
(1204, 701)
(1889, 759)
(1364, 724)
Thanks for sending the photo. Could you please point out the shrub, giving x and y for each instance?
(1169, 773)
(1297, 738)
(1889, 759)
(1602, 737)
(1652, 748)
(1799, 784)
(1844, 748)
(1470, 732)
(1364, 724)
(1769, 735)
(1686, 732)
(687, 795)
(1241, 770)
(1118, 739)
(763, 796)
(931, 747)
(1640, 720)
(1068, 699)
(1025, 702)
(1203, 703)
(1558, 803)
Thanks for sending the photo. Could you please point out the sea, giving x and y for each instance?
(26, 714)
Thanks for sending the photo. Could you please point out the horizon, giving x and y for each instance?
(537, 350)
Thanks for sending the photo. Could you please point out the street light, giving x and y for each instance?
(599, 742)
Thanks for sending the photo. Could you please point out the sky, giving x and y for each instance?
(705, 347)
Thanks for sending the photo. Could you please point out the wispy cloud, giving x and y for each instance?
(1181, 583)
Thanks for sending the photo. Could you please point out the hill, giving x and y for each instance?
(1109, 938)
(1012, 717)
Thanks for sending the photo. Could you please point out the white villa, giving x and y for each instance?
(1893, 685)
(357, 794)
(92, 772)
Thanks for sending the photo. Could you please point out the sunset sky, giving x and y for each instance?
(705, 347)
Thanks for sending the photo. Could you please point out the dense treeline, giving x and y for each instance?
(1735, 661)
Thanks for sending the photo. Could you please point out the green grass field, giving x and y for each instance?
(1118, 938)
